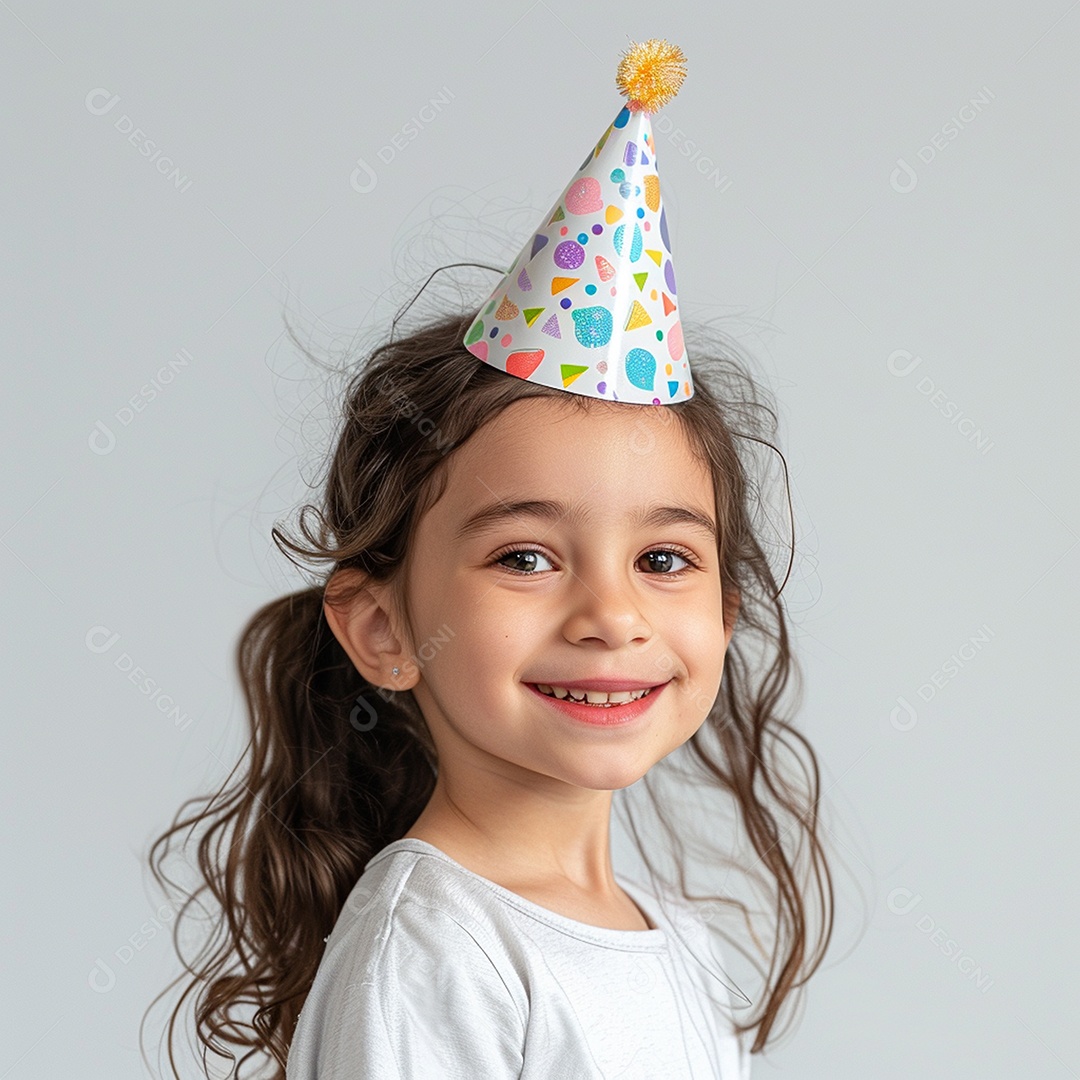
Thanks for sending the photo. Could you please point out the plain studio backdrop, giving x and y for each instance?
(879, 200)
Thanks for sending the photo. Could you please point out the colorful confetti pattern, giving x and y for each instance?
(589, 305)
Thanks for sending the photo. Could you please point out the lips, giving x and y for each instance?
(597, 717)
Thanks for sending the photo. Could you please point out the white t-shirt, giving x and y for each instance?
(433, 971)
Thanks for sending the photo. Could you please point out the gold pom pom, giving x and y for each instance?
(650, 74)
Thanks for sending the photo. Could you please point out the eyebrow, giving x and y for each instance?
(553, 510)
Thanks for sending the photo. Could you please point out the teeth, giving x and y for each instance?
(593, 697)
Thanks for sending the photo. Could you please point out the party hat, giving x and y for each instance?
(589, 304)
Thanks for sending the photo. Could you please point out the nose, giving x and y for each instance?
(604, 605)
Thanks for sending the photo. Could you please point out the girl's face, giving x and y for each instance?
(591, 593)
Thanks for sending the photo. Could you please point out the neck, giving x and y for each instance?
(534, 836)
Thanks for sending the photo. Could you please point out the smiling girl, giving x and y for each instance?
(540, 590)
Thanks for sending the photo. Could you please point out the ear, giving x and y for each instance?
(361, 619)
(732, 601)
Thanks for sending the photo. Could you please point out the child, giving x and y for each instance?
(536, 578)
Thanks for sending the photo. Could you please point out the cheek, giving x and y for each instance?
(448, 615)
(485, 656)
(694, 625)
(506, 624)
(697, 645)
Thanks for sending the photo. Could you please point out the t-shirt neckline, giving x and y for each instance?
(601, 934)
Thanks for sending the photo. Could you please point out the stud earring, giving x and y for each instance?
(396, 670)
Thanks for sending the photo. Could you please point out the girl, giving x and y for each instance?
(540, 592)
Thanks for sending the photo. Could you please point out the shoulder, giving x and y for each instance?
(411, 975)
(412, 913)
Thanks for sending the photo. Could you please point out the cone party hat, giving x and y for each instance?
(589, 305)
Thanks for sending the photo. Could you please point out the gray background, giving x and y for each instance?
(950, 792)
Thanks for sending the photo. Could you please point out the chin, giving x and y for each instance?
(613, 779)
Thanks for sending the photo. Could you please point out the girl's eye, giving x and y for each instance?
(527, 555)
(522, 556)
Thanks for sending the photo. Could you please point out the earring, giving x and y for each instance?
(396, 670)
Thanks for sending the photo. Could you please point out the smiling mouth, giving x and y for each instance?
(609, 700)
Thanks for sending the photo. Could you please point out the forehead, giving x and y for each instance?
(608, 459)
